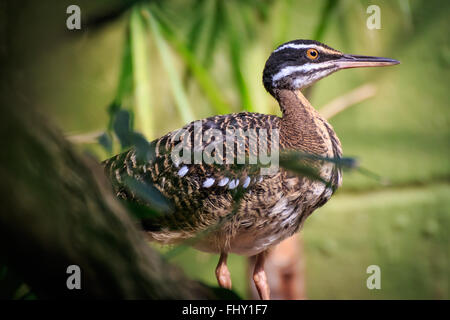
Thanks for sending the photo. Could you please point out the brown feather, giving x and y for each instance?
(269, 210)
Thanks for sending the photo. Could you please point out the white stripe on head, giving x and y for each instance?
(306, 46)
(297, 46)
(287, 71)
(316, 76)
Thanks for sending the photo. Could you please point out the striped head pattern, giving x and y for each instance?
(298, 64)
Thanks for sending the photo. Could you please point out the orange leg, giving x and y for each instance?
(222, 273)
(260, 278)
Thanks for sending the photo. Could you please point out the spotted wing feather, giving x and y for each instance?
(201, 193)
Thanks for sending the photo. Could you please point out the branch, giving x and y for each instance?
(89, 137)
(347, 100)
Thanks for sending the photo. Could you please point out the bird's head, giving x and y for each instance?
(298, 64)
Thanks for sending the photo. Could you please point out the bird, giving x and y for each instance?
(224, 207)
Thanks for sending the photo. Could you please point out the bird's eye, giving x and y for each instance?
(312, 54)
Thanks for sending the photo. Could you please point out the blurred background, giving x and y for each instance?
(170, 62)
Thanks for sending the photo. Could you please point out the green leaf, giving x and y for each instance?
(122, 128)
(405, 7)
(141, 72)
(282, 23)
(201, 75)
(148, 193)
(301, 169)
(141, 212)
(213, 26)
(105, 141)
(144, 150)
(199, 18)
(306, 164)
(328, 9)
(112, 110)
(125, 85)
(181, 100)
(236, 58)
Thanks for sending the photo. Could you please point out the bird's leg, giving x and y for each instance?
(222, 273)
(260, 278)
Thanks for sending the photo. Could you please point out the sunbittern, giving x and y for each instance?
(272, 206)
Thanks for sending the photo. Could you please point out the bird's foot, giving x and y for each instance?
(222, 273)
(260, 278)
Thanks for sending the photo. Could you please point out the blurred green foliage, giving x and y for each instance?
(168, 62)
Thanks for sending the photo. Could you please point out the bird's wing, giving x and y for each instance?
(191, 184)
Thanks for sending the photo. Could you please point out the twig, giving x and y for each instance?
(90, 137)
(347, 100)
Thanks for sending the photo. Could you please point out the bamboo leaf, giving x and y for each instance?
(197, 26)
(148, 194)
(306, 164)
(125, 85)
(236, 59)
(283, 22)
(178, 91)
(122, 128)
(201, 75)
(106, 142)
(327, 11)
(145, 151)
(405, 7)
(213, 27)
(141, 74)
(124, 89)
(140, 211)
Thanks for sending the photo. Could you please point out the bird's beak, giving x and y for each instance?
(356, 61)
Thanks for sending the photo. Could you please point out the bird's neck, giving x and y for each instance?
(303, 128)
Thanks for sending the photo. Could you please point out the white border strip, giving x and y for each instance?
(297, 46)
(286, 71)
